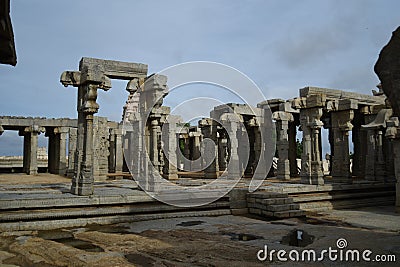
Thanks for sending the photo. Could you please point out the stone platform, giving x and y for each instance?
(39, 203)
(51, 206)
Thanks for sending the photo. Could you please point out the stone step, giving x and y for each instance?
(267, 195)
(82, 222)
(275, 201)
(81, 212)
(348, 203)
(311, 197)
(289, 213)
(283, 207)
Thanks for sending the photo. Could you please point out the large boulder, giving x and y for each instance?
(388, 70)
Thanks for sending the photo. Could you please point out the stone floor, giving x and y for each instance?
(200, 241)
(42, 178)
(190, 241)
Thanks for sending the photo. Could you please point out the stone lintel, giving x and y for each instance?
(317, 100)
(346, 104)
(16, 123)
(113, 69)
(339, 94)
(204, 122)
(242, 109)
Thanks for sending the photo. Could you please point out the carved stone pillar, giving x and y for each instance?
(311, 160)
(62, 133)
(359, 137)
(341, 125)
(72, 134)
(230, 124)
(82, 183)
(170, 146)
(186, 150)
(30, 134)
(375, 168)
(196, 164)
(393, 133)
(282, 120)
(119, 157)
(292, 150)
(222, 152)
(154, 155)
(209, 130)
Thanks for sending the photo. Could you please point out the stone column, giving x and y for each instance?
(186, 150)
(341, 125)
(119, 156)
(389, 160)
(393, 134)
(282, 120)
(82, 184)
(154, 155)
(71, 151)
(209, 130)
(196, 163)
(359, 137)
(292, 149)
(370, 155)
(30, 134)
(62, 133)
(380, 168)
(170, 146)
(311, 161)
(222, 152)
(230, 124)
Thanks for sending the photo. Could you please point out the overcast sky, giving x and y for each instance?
(281, 45)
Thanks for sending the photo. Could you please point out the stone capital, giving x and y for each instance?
(1, 130)
(34, 129)
(311, 117)
(342, 120)
(282, 116)
(89, 105)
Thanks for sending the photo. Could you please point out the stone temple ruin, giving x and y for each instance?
(96, 145)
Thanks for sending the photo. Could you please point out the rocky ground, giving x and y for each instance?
(205, 241)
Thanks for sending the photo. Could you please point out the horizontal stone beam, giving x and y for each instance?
(114, 69)
(13, 123)
(332, 94)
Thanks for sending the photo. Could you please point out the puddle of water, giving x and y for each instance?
(110, 229)
(190, 223)
(139, 259)
(298, 238)
(243, 237)
(67, 238)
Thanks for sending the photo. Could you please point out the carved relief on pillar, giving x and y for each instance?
(375, 167)
(341, 125)
(230, 122)
(282, 120)
(310, 120)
